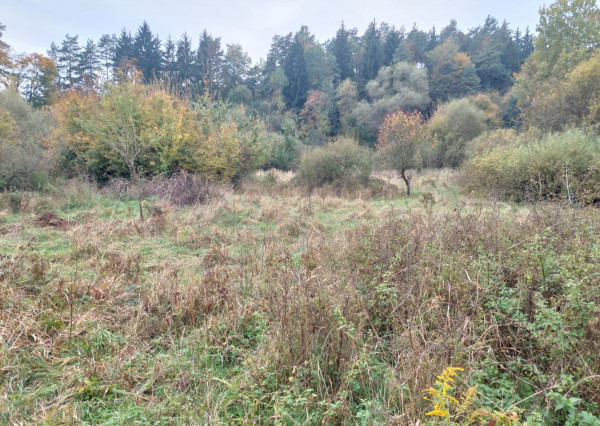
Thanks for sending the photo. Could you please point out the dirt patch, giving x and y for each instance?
(51, 220)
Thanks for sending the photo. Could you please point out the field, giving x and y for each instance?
(265, 305)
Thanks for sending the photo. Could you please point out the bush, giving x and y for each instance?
(454, 124)
(342, 163)
(182, 189)
(488, 141)
(540, 169)
(283, 151)
(24, 163)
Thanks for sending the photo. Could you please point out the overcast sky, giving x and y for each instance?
(33, 24)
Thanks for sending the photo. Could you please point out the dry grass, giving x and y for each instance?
(263, 306)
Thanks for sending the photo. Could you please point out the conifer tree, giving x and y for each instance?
(209, 62)
(341, 48)
(146, 49)
(106, 53)
(184, 60)
(295, 71)
(371, 54)
(123, 48)
(68, 57)
(88, 64)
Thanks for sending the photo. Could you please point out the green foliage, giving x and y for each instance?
(283, 152)
(568, 34)
(135, 129)
(454, 124)
(401, 86)
(452, 73)
(401, 139)
(296, 90)
(488, 141)
(582, 90)
(342, 163)
(527, 170)
(316, 127)
(36, 75)
(25, 161)
(568, 31)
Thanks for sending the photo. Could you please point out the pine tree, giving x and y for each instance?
(371, 56)
(88, 64)
(209, 62)
(392, 40)
(296, 91)
(123, 48)
(450, 31)
(417, 42)
(525, 45)
(106, 53)
(169, 59)
(146, 49)
(341, 48)
(489, 50)
(68, 54)
(185, 60)
(53, 54)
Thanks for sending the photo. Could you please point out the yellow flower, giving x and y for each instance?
(437, 412)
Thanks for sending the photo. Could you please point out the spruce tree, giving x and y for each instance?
(295, 71)
(341, 48)
(169, 59)
(209, 62)
(185, 60)
(146, 49)
(123, 48)
(371, 57)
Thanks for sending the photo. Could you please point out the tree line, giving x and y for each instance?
(214, 112)
(457, 63)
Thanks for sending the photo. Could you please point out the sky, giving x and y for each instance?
(31, 25)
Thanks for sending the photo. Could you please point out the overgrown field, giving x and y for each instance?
(266, 306)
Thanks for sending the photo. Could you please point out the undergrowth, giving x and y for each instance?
(270, 307)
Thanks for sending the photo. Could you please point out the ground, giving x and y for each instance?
(266, 305)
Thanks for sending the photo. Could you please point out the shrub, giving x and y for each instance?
(182, 188)
(212, 138)
(488, 141)
(342, 162)
(454, 124)
(562, 165)
(24, 163)
(283, 151)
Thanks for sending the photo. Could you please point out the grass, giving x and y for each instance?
(265, 306)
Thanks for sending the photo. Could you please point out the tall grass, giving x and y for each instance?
(257, 308)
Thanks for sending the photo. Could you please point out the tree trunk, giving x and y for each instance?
(406, 180)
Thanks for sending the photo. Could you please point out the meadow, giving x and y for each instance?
(267, 305)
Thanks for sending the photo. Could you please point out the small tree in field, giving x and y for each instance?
(119, 126)
(400, 139)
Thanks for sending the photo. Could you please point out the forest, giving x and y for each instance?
(391, 226)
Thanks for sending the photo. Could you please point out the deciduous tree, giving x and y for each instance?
(36, 79)
(399, 143)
